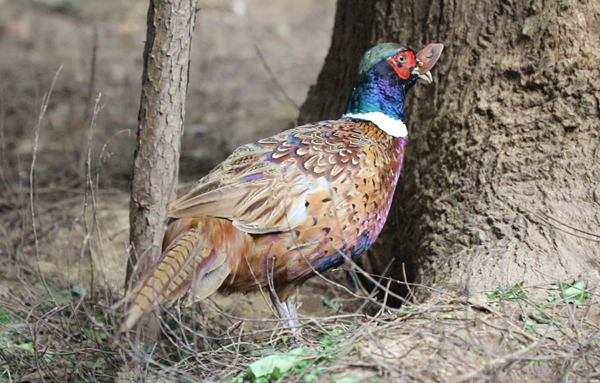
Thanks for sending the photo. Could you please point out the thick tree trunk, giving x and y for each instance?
(162, 110)
(503, 161)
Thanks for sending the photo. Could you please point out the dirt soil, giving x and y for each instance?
(63, 241)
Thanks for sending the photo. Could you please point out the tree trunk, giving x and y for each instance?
(162, 110)
(500, 184)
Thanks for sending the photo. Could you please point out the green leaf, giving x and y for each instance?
(511, 293)
(310, 377)
(48, 357)
(301, 366)
(78, 290)
(574, 294)
(26, 346)
(335, 332)
(348, 379)
(273, 367)
(91, 333)
(555, 287)
(330, 304)
(264, 366)
(296, 351)
(577, 288)
(326, 342)
(5, 316)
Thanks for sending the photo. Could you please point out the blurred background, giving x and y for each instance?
(244, 50)
(253, 62)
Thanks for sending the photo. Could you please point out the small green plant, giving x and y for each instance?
(508, 293)
(5, 316)
(90, 333)
(332, 305)
(307, 364)
(273, 367)
(405, 309)
(573, 294)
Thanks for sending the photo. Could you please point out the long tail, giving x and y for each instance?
(189, 259)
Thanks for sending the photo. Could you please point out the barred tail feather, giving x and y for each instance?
(187, 260)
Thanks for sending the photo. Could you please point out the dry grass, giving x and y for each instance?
(63, 336)
(58, 327)
(56, 324)
(62, 249)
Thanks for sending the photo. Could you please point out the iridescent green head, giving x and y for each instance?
(404, 61)
(375, 55)
(385, 75)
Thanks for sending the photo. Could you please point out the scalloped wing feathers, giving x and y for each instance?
(263, 187)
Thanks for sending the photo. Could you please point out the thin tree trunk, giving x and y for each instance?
(162, 110)
(504, 148)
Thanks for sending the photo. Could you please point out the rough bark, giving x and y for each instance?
(162, 112)
(503, 161)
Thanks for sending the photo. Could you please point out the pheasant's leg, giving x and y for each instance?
(291, 311)
(288, 309)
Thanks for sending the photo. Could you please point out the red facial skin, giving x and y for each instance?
(403, 63)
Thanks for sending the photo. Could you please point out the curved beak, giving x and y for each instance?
(427, 77)
(426, 60)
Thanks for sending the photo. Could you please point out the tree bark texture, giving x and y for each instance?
(162, 111)
(500, 184)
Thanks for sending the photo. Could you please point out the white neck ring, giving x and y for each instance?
(393, 127)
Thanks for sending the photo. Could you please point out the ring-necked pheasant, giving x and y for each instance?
(283, 208)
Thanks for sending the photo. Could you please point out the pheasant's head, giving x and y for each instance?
(386, 72)
(405, 63)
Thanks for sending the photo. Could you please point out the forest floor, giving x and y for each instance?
(64, 221)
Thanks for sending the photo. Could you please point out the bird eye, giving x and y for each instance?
(401, 59)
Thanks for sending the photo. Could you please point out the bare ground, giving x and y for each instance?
(63, 240)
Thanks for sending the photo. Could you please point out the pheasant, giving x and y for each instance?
(287, 207)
